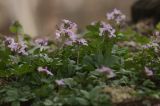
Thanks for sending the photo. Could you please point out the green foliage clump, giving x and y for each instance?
(51, 73)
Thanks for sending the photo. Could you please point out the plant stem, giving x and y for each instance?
(78, 54)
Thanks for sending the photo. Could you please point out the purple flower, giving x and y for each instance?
(82, 42)
(19, 47)
(69, 42)
(13, 46)
(60, 82)
(66, 34)
(106, 70)
(58, 34)
(11, 43)
(66, 31)
(9, 40)
(150, 45)
(71, 35)
(67, 24)
(116, 15)
(44, 70)
(148, 72)
(107, 28)
(22, 48)
(41, 42)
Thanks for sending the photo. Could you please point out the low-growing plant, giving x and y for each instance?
(74, 69)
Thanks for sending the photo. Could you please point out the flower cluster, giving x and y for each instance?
(41, 43)
(45, 70)
(11, 43)
(107, 28)
(22, 48)
(150, 45)
(67, 33)
(153, 45)
(116, 15)
(19, 47)
(106, 70)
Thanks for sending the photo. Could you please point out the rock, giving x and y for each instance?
(146, 9)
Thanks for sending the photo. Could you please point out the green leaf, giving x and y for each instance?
(12, 95)
(48, 102)
(158, 26)
(85, 93)
(70, 82)
(23, 99)
(92, 28)
(82, 101)
(16, 28)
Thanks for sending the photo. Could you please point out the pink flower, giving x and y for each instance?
(58, 34)
(148, 72)
(69, 43)
(19, 47)
(9, 40)
(116, 15)
(106, 70)
(44, 70)
(107, 28)
(71, 35)
(60, 82)
(11, 43)
(13, 46)
(66, 34)
(67, 24)
(41, 42)
(22, 48)
(82, 42)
